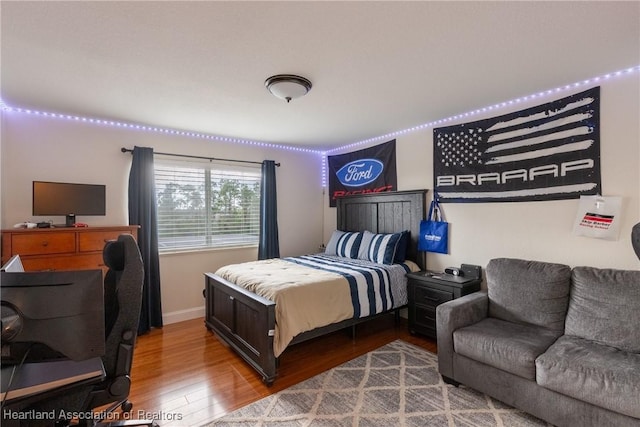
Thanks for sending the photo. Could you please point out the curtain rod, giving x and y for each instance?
(127, 150)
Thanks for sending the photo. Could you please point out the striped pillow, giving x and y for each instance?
(379, 248)
(348, 245)
(332, 245)
(403, 246)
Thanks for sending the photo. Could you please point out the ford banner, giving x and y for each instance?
(371, 170)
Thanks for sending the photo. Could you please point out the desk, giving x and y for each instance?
(34, 378)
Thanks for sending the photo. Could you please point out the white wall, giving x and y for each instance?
(538, 230)
(40, 148)
(51, 149)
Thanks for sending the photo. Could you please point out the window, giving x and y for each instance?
(206, 205)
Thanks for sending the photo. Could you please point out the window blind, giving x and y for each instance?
(206, 205)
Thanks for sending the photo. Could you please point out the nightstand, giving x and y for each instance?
(427, 290)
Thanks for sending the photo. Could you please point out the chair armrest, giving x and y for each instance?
(454, 315)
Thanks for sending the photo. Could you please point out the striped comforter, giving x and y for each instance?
(317, 290)
(373, 287)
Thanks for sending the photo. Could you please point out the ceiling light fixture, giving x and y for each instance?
(288, 86)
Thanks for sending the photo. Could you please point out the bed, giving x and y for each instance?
(246, 321)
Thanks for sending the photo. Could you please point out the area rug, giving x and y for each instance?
(395, 385)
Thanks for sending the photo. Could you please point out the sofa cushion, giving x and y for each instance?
(512, 347)
(531, 292)
(592, 372)
(605, 307)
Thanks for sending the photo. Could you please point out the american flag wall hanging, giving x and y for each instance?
(547, 152)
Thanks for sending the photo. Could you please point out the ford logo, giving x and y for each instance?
(360, 172)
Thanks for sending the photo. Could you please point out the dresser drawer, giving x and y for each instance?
(43, 249)
(64, 262)
(431, 297)
(43, 243)
(95, 241)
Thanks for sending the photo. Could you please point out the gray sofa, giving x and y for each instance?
(559, 343)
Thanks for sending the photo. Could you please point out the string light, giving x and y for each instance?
(154, 129)
(509, 103)
(323, 154)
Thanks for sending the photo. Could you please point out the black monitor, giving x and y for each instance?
(51, 315)
(68, 199)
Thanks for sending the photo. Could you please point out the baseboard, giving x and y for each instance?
(181, 315)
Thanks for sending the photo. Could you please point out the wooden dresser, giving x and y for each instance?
(60, 248)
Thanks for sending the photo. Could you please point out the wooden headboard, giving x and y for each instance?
(388, 212)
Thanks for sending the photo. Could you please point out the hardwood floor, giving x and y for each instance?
(184, 376)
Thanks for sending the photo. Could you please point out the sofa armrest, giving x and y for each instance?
(453, 315)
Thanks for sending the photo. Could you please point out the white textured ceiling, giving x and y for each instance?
(376, 67)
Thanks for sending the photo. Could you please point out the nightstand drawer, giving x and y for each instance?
(425, 316)
(427, 291)
(431, 297)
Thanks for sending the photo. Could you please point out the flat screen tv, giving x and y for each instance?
(65, 199)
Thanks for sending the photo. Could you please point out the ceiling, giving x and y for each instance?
(376, 67)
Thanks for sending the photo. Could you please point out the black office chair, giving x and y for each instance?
(122, 303)
(635, 239)
(123, 300)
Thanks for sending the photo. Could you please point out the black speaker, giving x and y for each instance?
(454, 271)
(472, 271)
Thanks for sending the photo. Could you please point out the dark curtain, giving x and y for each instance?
(268, 246)
(143, 212)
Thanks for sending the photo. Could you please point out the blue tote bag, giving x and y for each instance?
(434, 231)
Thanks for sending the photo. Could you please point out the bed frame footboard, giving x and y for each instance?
(243, 320)
(246, 321)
